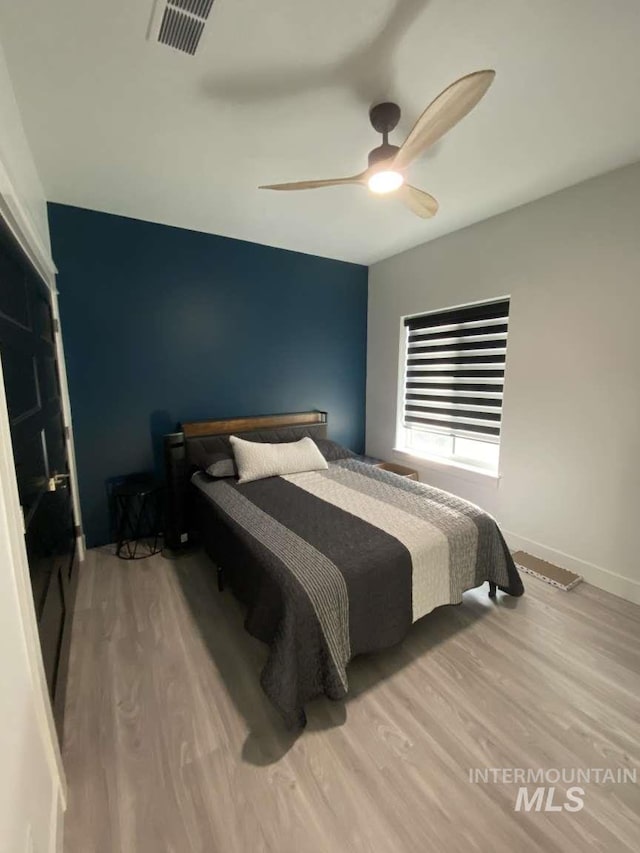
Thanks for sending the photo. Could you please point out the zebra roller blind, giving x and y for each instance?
(454, 376)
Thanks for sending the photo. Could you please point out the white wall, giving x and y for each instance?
(20, 187)
(570, 452)
(31, 781)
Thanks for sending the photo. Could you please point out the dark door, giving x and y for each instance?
(32, 387)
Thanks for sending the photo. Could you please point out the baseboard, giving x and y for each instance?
(596, 575)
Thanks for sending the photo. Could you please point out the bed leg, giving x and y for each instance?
(220, 579)
(492, 589)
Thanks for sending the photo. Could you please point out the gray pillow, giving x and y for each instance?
(332, 451)
(220, 465)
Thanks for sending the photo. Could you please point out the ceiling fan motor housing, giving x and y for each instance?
(382, 153)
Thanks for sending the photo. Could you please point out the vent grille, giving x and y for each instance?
(201, 8)
(180, 31)
(180, 23)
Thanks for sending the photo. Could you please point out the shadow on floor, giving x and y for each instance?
(240, 658)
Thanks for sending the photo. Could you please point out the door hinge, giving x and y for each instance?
(56, 325)
(77, 529)
(67, 433)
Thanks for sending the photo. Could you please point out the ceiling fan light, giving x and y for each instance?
(385, 181)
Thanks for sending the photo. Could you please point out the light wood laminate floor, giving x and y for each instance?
(170, 744)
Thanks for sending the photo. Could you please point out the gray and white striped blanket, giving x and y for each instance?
(343, 561)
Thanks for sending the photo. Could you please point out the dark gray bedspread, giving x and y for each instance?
(339, 562)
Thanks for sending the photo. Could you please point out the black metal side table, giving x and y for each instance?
(138, 517)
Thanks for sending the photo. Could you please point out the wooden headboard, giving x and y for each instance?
(229, 426)
(183, 448)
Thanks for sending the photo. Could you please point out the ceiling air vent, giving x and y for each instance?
(179, 23)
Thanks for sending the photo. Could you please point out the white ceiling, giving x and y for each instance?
(280, 89)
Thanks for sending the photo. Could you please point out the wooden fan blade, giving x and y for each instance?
(313, 185)
(441, 115)
(420, 202)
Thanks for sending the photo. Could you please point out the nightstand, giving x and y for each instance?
(401, 470)
(138, 515)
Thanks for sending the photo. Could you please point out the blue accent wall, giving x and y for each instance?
(162, 325)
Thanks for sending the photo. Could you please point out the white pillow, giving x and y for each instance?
(257, 460)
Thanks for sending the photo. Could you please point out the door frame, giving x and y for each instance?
(12, 546)
(68, 427)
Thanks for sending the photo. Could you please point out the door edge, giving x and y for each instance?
(19, 568)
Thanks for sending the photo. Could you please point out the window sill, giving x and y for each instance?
(451, 466)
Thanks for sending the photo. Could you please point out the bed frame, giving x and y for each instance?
(184, 449)
(193, 438)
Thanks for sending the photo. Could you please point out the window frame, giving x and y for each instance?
(449, 460)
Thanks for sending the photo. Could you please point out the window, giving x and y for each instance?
(453, 384)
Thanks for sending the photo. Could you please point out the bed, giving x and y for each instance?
(330, 563)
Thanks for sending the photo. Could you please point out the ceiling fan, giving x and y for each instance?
(387, 163)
